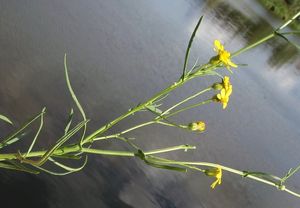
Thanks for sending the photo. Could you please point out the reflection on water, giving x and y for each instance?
(281, 54)
(251, 29)
(118, 47)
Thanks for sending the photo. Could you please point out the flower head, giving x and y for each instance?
(223, 55)
(197, 126)
(226, 90)
(217, 173)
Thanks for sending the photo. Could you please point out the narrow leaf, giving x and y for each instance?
(62, 141)
(69, 168)
(15, 166)
(286, 39)
(19, 131)
(154, 109)
(58, 144)
(74, 96)
(167, 167)
(52, 172)
(189, 47)
(69, 121)
(38, 131)
(7, 120)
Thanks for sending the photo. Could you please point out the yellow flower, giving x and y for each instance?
(223, 96)
(197, 126)
(225, 91)
(226, 83)
(223, 55)
(217, 173)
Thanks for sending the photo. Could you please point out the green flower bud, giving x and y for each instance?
(217, 86)
(197, 126)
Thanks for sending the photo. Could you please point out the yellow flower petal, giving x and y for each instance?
(230, 63)
(223, 55)
(217, 173)
(218, 45)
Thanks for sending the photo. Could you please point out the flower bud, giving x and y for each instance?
(217, 86)
(212, 172)
(214, 60)
(197, 126)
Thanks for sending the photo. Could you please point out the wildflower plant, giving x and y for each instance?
(63, 150)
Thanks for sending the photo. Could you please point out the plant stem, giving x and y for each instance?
(157, 120)
(238, 172)
(76, 148)
(185, 100)
(189, 107)
(253, 45)
(266, 37)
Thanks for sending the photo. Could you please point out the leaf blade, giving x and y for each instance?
(7, 120)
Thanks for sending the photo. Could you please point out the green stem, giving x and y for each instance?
(238, 172)
(253, 45)
(125, 131)
(169, 149)
(153, 122)
(289, 21)
(77, 148)
(134, 128)
(134, 110)
(185, 100)
(189, 107)
(266, 37)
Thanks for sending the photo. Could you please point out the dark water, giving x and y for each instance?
(122, 52)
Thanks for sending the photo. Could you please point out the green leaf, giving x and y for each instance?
(287, 40)
(156, 163)
(167, 167)
(69, 121)
(38, 131)
(7, 120)
(16, 166)
(16, 134)
(68, 156)
(290, 173)
(189, 47)
(68, 168)
(154, 109)
(61, 141)
(58, 144)
(74, 97)
(52, 172)
(266, 176)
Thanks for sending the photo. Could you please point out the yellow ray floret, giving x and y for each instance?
(226, 90)
(217, 173)
(223, 55)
